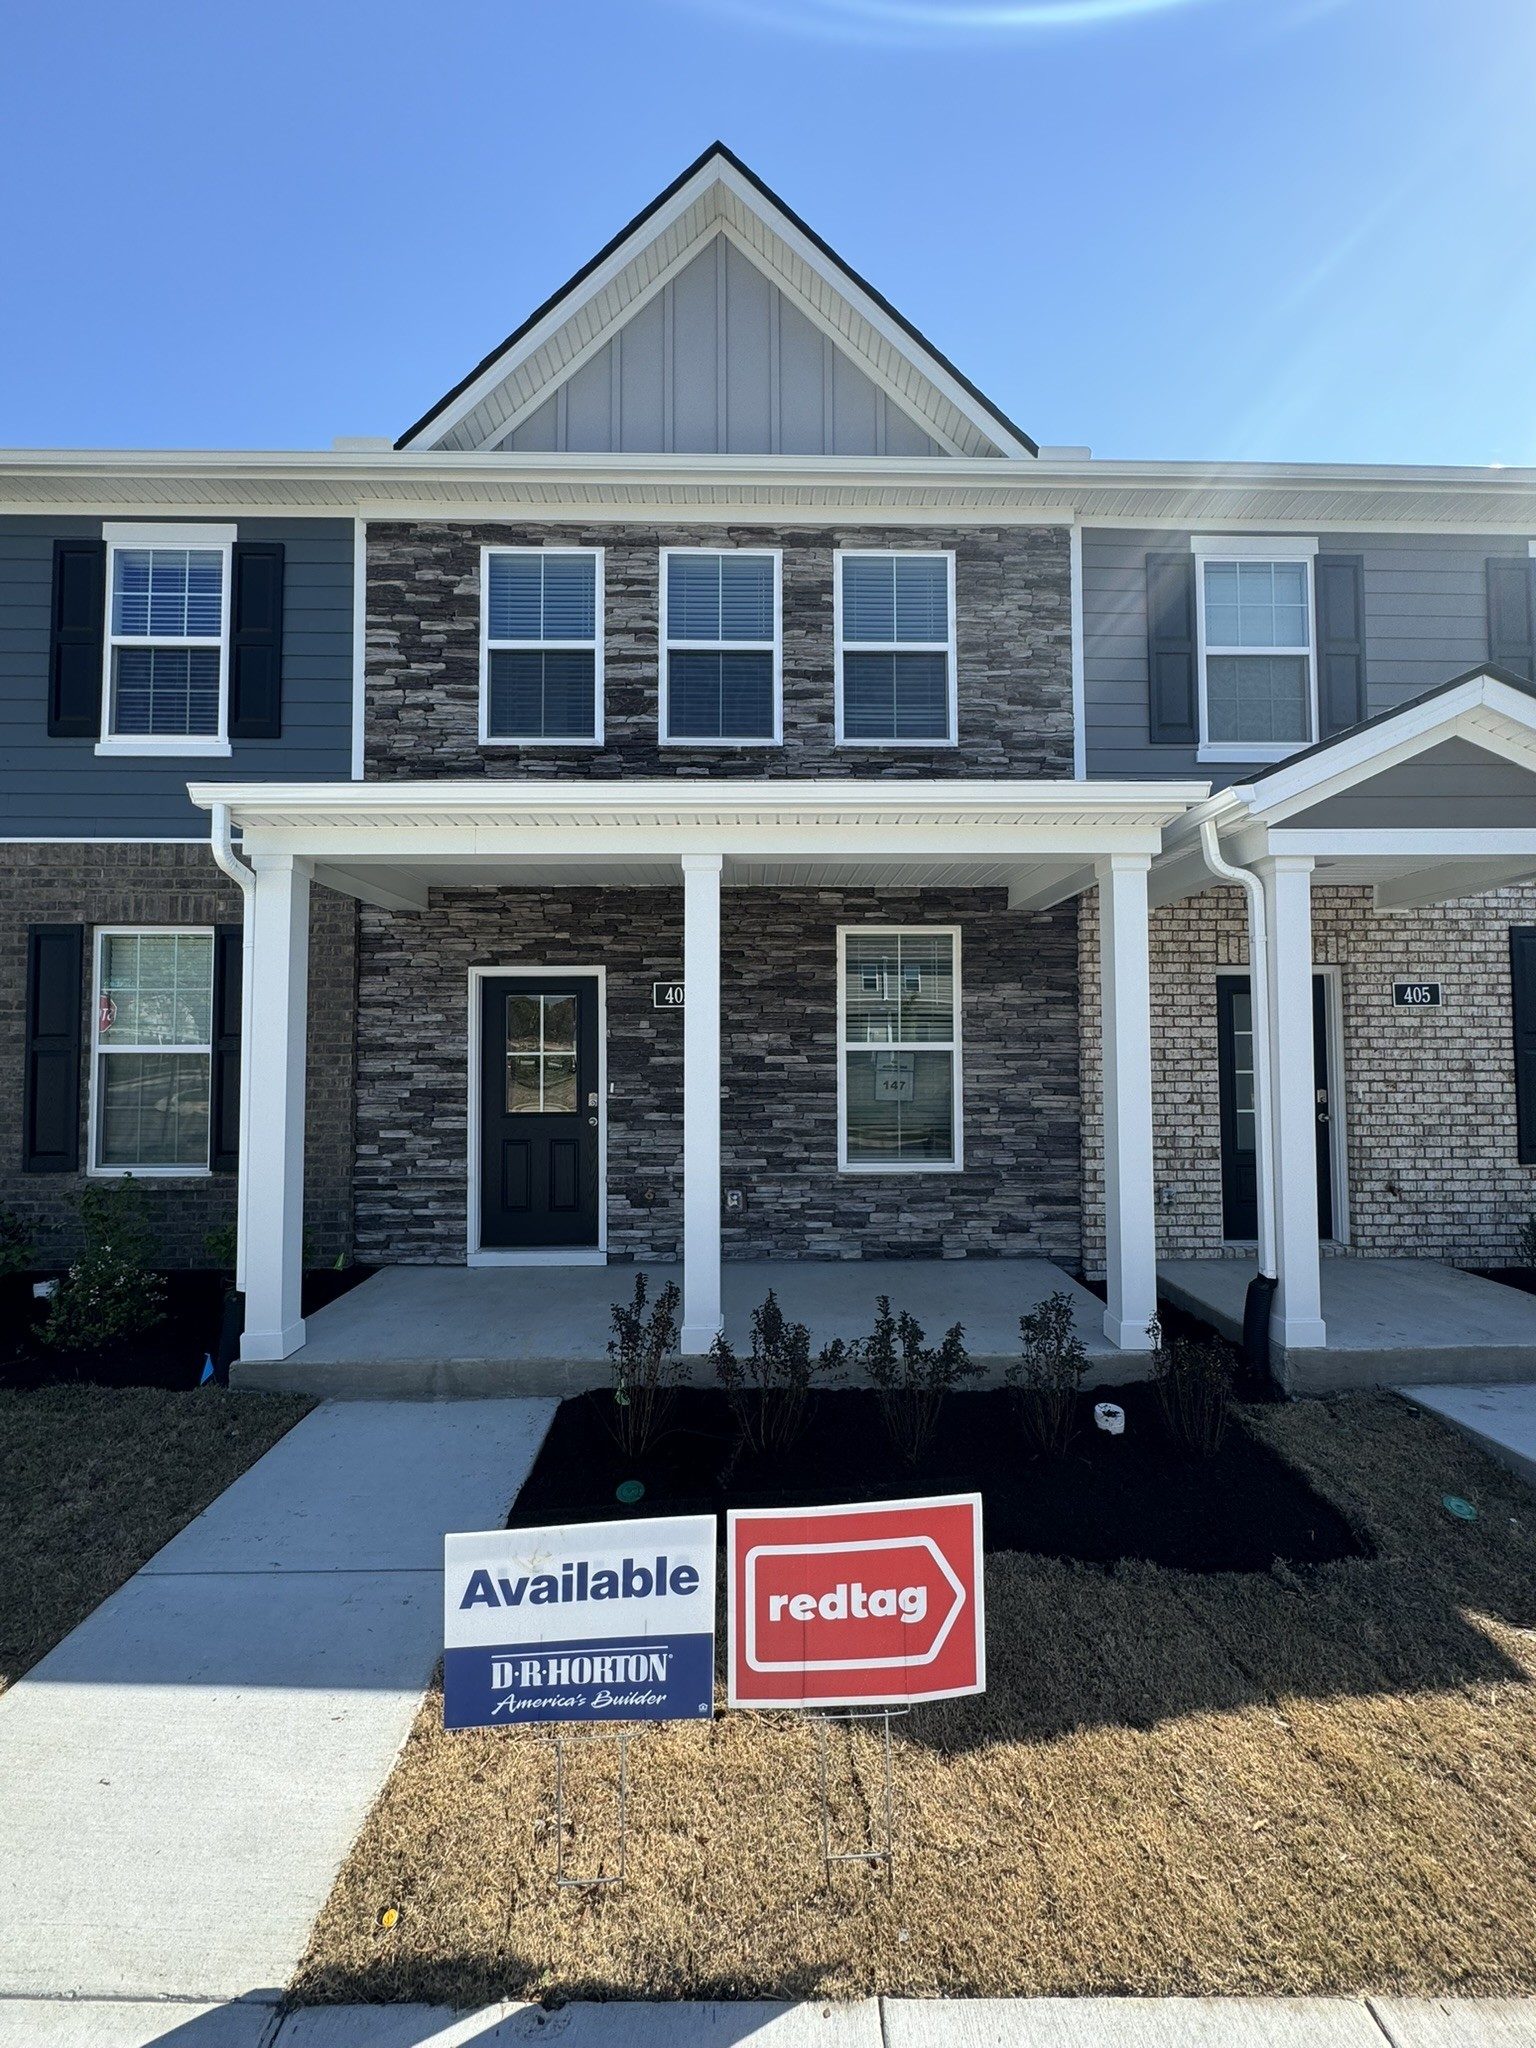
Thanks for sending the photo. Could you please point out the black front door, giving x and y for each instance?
(1239, 1162)
(539, 1111)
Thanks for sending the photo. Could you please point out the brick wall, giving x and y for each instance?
(1017, 1195)
(167, 884)
(1013, 642)
(1428, 1095)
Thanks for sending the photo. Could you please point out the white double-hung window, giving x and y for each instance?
(542, 666)
(167, 644)
(1258, 669)
(720, 647)
(899, 1049)
(153, 1052)
(895, 649)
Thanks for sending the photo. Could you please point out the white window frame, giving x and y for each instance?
(775, 646)
(125, 535)
(844, 1047)
(99, 1052)
(952, 693)
(597, 556)
(1255, 548)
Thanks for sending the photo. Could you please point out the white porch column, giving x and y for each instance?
(701, 1101)
(272, 1061)
(1130, 1230)
(1297, 1319)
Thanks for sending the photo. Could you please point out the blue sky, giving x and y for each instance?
(1288, 229)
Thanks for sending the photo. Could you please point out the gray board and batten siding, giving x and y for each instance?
(1426, 620)
(62, 789)
(718, 362)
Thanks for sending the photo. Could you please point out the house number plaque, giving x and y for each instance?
(666, 995)
(1416, 995)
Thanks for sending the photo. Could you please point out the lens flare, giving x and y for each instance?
(873, 18)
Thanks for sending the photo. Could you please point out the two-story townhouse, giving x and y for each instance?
(716, 789)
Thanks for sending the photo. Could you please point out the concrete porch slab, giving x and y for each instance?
(1391, 1322)
(1499, 1420)
(420, 1330)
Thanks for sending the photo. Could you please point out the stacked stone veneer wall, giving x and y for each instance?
(168, 884)
(1013, 623)
(1428, 1095)
(1017, 1194)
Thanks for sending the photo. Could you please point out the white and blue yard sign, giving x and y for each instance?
(601, 1621)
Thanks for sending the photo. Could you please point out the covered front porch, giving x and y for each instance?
(418, 1330)
(427, 854)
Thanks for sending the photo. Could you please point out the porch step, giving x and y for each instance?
(1390, 1322)
(470, 1332)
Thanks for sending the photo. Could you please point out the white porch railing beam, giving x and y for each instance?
(1130, 1230)
(272, 1068)
(1297, 1319)
(701, 1101)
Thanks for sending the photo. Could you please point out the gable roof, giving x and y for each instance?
(717, 194)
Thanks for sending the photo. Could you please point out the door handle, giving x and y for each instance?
(592, 1120)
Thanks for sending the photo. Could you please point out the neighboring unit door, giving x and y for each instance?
(1239, 1159)
(539, 1111)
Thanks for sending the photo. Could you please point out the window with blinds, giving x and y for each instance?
(543, 669)
(153, 1039)
(895, 649)
(167, 630)
(899, 1049)
(1257, 688)
(720, 639)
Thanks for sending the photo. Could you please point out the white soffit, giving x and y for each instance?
(719, 196)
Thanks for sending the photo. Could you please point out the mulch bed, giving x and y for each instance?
(172, 1354)
(1523, 1277)
(1136, 1495)
(1315, 1779)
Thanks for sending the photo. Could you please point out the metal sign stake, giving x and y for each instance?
(876, 1849)
(566, 1880)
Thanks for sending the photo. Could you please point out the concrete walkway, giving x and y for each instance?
(1390, 1322)
(476, 1330)
(185, 1773)
(870, 2023)
(1499, 1420)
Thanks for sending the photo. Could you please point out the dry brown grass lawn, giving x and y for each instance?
(93, 1480)
(1174, 1784)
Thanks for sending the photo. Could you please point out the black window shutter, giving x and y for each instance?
(75, 639)
(1339, 581)
(224, 1104)
(1522, 973)
(50, 1118)
(1510, 604)
(1172, 709)
(256, 641)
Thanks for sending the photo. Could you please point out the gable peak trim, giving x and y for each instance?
(720, 165)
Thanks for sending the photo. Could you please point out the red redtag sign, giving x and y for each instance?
(851, 1606)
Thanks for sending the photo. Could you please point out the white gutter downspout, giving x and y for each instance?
(226, 857)
(1258, 993)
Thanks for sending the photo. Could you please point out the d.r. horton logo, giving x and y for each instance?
(618, 1675)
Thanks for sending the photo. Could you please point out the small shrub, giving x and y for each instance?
(1194, 1387)
(1047, 1378)
(1525, 1243)
(18, 1254)
(646, 1366)
(910, 1378)
(768, 1393)
(219, 1244)
(110, 1292)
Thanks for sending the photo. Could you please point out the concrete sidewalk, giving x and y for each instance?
(869, 2023)
(1499, 1420)
(185, 1773)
